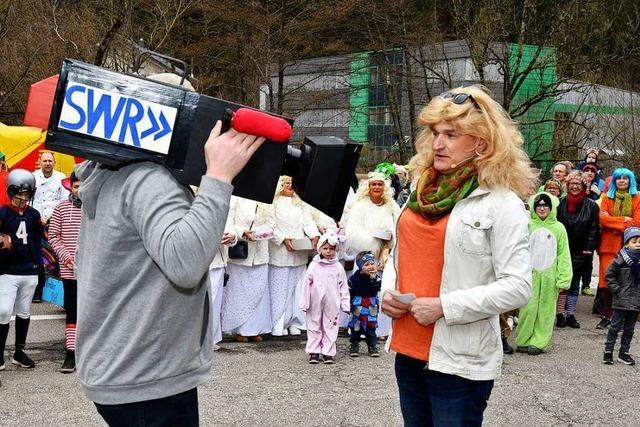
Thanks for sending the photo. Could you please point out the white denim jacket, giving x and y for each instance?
(487, 271)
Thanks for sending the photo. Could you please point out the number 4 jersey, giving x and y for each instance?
(26, 232)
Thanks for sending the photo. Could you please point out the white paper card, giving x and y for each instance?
(382, 234)
(301, 244)
(404, 298)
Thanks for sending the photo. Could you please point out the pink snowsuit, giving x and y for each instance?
(326, 294)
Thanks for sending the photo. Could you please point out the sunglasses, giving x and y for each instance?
(459, 98)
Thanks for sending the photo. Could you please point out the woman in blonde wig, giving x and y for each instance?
(462, 249)
(293, 221)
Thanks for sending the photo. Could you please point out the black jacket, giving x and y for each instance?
(620, 281)
(583, 226)
(361, 285)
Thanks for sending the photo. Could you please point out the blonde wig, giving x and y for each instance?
(280, 187)
(502, 164)
(363, 189)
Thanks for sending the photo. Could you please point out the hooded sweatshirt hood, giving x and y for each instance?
(553, 214)
(93, 176)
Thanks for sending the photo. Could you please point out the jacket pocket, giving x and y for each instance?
(475, 339)
(473, 235)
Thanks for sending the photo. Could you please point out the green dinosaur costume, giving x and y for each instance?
(551, 265)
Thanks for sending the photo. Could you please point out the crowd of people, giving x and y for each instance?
(400, 255)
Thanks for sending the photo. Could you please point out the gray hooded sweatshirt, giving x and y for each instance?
(144, 250)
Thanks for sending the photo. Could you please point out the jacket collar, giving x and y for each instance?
(480, 191)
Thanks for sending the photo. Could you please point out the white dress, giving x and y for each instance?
(286, 269)
(246, 308)
(216, 281)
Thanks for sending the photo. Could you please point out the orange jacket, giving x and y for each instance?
(613, 226)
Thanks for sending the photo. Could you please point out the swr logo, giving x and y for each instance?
(126, 120)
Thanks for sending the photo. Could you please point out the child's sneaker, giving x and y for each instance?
(373, 351)
(354, 350)
(328, 360)
(603, 324)
(314, 358)
(607, 358)
(626, 359)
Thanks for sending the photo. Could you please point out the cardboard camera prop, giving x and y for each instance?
(118, 119)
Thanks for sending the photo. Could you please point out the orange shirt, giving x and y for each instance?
(420, 261)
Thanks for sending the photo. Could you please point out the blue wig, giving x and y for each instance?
(633, 186)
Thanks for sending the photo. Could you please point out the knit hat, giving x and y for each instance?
(542, 200)
(365, 258)
(590, 165)
(592, 150)
(331, 237)
(631, 232)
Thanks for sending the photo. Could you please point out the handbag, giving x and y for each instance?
(241, 249)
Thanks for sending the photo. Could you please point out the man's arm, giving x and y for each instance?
(177, 234)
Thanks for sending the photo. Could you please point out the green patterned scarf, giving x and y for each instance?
(436, 194)
(622, 204)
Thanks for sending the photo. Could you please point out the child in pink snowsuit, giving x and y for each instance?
(326, 293)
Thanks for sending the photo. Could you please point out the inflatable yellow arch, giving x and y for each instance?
(22, 145)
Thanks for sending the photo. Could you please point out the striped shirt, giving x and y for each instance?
(63, 235)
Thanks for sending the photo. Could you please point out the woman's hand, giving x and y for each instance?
(392, 308)
(248, 235)
(227, 238)
(314, 242)
(426, 310)
(288, 245)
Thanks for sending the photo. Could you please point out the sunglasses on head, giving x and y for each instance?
(459, 98)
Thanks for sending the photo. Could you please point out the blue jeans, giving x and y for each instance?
(177, 410)
(624, 320)
(430, 398)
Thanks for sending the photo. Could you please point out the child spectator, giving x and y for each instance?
(364, 286)
(21, 233)
(551, 265)
(623, 280)
(325, 295)
(63, 236)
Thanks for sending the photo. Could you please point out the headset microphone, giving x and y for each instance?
(455, 165)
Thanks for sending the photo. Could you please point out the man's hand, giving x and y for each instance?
(392, 308)
(70, 264)
(227, 238)
(288, 245)
(226, 154)
(426, 310)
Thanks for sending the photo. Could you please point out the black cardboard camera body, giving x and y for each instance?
(115, 119)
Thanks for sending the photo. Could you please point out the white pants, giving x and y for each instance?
(16, 292)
